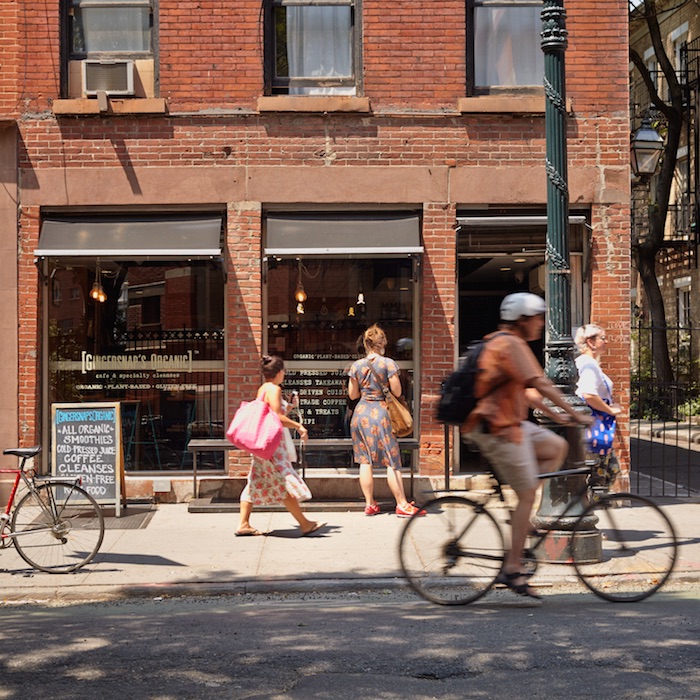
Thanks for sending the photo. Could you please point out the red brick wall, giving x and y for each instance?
(10, 55)
(28, 332)
(437, 326)
(414, 55)
(243, 314)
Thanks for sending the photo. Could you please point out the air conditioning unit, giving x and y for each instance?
(111, 77)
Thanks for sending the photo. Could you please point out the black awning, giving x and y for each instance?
(197, 237)
(342, 234)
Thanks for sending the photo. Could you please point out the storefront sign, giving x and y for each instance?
(87, 442)
(322, 400)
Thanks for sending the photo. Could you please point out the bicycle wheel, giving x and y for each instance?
(453, 555)
(638, 547)
(57, 528)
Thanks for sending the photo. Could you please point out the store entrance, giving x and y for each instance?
(500, 253)
(483, 282)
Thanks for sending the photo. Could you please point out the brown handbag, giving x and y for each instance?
(399, 415)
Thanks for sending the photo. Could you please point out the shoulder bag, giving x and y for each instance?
(399, 415)
(256, 428)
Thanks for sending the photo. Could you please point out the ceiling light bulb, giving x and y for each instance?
(300, 295)
(300, 308)
(95, 291)
(360, 299)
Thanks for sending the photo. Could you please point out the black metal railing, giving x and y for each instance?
(665, 416)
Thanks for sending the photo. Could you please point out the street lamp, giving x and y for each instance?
(559, 363)
(645, 148)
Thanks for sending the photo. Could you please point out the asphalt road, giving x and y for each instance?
(385, 645)
(664, 469)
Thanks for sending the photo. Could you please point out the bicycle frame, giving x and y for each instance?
(20, 476)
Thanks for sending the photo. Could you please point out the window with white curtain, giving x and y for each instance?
(504, 44)
(311, 47)
(108, 27)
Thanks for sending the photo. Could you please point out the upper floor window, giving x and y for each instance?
(110, 27)
(312, 47)
(504, 44)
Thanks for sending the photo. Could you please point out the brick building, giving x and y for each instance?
(241, 177)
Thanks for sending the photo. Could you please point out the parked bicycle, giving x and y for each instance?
(622, 546)
(56, 526)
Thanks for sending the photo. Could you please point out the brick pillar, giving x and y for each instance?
(244, 330)
(437, 330)
(29, 338)
(610, 309)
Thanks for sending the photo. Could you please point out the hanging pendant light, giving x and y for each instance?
(97, 292)
(300, 293)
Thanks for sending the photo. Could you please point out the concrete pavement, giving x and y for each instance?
(165, 550)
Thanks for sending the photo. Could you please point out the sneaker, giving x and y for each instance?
(409, 511)
(374, 509)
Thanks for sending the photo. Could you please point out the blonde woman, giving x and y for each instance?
(373, 442)
(596, 388)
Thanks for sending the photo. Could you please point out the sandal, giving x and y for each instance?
(522, 589)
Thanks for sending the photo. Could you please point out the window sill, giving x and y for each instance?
(313, 103)
(138, 105)
(511, 104)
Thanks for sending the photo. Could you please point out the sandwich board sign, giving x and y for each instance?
(86, 442)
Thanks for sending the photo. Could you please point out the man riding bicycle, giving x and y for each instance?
(511, 380)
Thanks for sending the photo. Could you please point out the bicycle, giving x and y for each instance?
(623, 547)
(56, 526)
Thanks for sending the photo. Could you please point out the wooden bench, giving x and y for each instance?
(198, 445)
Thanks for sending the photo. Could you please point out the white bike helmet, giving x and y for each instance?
(521, 304)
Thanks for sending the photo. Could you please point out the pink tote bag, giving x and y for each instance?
(255, 428)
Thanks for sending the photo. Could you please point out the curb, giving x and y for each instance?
(89, 594)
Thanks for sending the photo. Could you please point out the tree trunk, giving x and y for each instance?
(646, 265)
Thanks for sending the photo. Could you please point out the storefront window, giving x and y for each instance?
(317, 310)
(148, 334)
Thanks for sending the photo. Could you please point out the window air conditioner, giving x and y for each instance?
(111, 77)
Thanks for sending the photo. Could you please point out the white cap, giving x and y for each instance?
(521, 304)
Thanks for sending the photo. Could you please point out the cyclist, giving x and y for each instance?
(511, 380)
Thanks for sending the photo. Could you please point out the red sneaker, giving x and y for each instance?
(409, 511)
(374, 509)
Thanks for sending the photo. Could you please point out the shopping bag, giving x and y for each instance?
(255, 428)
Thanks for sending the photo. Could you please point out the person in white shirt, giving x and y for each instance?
(596, 389)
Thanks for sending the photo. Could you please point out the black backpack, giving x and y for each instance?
(457, 398)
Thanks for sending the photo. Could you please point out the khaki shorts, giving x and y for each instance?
(515, 463)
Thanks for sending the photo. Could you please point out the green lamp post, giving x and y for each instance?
(559, 362)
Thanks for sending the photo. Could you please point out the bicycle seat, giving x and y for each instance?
(24, 452)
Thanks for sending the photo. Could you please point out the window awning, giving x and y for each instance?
(343, 234)
(197, 237)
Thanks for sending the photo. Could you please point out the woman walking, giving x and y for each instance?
(373, 442)
(596, 389)
(275, 481)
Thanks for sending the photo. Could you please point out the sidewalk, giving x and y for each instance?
(165, 551)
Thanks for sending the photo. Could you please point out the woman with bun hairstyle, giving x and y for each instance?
(275, 481)
(373, 442)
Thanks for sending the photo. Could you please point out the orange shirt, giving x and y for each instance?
(507, 363)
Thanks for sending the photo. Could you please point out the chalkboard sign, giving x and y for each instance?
(87, 442)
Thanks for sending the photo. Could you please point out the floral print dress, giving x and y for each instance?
(270, 481)
(373, 441)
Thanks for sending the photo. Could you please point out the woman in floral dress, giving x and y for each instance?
(275, 480)
(373, 442)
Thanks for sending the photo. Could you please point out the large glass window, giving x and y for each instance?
(148, 334)
(311, 47)
(504, 44)
(317, 310)
(110, 27)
